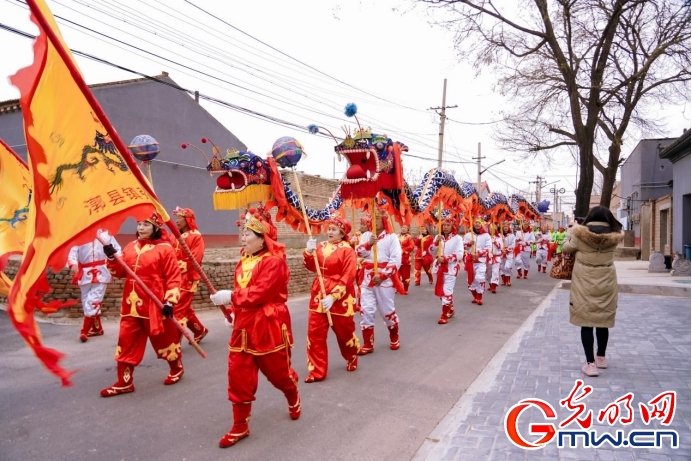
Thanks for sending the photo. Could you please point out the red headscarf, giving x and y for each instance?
(367, 220)
(157, 221)
(189, 216)
(259, 220)
(342, 224)
(453, 221)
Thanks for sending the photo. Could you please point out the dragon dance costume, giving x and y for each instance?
(337, 262)
(524, 239)
(407, 245)
(447, 270)
(494, 257)
(190, 277)
(153, 261)
(377, 292)
(478, 246)
(507, 261)
(93, 278)
(543, 255)
(261, 339)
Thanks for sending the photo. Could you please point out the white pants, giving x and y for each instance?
(495, 273)
(478, 283)
(506, 265)
(377, 299)
(542, 257)
(448, 287)
(92, 297)
(524, 259)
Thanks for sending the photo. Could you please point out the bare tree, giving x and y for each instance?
(578, 72)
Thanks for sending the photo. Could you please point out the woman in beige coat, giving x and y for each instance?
(594, 288)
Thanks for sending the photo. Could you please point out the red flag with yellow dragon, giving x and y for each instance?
(83, 177)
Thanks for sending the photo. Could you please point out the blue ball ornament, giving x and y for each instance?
(144, 148)
(287, 152)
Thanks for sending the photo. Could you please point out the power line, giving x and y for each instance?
(297, 60)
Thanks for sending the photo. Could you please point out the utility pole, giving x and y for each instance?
(478, 162)
(556, 191)
(442, 122)
(539, 185)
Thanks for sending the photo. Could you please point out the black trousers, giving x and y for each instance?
(587, 342)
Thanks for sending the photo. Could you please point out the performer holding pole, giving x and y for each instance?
(407, 246)
(507, 261)
(494, 257)
(480, 247)
(524, 240)
(338, 262)
(151, 260)
(380, 281)
(423, 258)
(450, 250)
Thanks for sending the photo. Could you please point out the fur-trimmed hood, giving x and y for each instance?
(598, 241)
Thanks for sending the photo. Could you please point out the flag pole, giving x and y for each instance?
(154, 299)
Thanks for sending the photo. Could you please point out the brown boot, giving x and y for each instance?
(96, 327)
(240, 429)
(125, 383)
(368, 341)
(394, 337)
(509, 280)
(176, 373)
(87, 324)
(544, 268)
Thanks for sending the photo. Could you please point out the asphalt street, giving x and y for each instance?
(382, 411)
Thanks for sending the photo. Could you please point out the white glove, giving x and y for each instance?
(327, 303)
(311, 245)
(229, 324)
(221, 297)
(437, 238)
(424, 253)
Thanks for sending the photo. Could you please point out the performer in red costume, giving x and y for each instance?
(337, 260)
(152, 259)
(407, 246)
(423, 258)
(261, 339)
(185, 220)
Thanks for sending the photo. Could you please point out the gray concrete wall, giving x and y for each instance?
(643, 166)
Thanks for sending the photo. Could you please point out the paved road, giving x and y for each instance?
(382, 411)
(648, 353)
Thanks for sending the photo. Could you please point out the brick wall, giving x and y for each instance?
(219, 272)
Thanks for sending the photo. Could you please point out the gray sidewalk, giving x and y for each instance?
(648, 353)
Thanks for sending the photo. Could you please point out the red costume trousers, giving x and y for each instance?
(185, 312)
(405, 273)
(132, 339)
(318, 328)
(420, 265)
(243, 371)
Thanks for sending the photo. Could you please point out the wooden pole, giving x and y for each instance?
(373, 218)
(154, 299)
(314, 253)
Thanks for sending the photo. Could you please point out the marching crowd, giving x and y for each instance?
(360, 272)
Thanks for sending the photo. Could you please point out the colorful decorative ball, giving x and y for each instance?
(287, 152)
(144, 148)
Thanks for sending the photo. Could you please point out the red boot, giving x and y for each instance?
(368, 341)
(176, 373)
(87, 324)
(96, 327)
(526, 273)
(445, 314)
(503, 282)
(480, 299)
(509, 280)
(240, 429)
(544, 268)
(294, 410)
(199, 331)
(493, 287)
(394, 337)
(518, 273)
(352, 364)
(475, 297)
(125, 383)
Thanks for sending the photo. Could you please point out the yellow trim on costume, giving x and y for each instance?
(182, 265)
(172, 296)
(247, 264)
